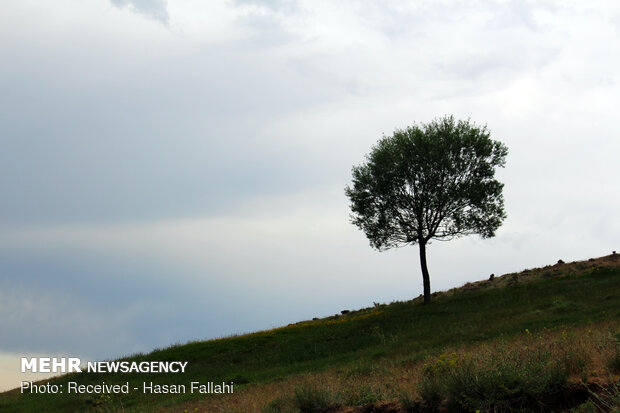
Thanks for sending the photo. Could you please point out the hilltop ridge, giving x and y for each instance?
(377, 355)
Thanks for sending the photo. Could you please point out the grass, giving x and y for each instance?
(506, 378)
(380, 353)
(606, 401)
(613, 362)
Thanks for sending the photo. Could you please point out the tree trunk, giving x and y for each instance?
(425, 276)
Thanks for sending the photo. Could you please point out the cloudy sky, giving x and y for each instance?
(174, 170)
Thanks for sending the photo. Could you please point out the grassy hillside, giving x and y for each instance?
(549, 327)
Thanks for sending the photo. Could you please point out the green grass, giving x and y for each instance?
(505, 379)
(550, 298)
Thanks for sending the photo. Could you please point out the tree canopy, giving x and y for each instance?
(429, 181)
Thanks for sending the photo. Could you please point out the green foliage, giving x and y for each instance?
(502, 380)
(357, 395)
(428, 181)
(409, 403)
(310, 399)
(281, 405)
(612, 342)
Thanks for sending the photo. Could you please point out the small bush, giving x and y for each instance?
(281, 405)
(311, 399)
(613, 362)
(609, 346)
(360, 395)
(409, 403)
(572, 355)
(432, 391)
(502, 380)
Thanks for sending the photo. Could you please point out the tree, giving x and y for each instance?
(429, 181)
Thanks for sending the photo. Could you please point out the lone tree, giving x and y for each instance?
(432, 181)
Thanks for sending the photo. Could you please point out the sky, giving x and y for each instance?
(175, 170)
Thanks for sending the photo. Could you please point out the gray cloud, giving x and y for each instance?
(183, 137)
(98, 306)
(154, 9)
(167, 183)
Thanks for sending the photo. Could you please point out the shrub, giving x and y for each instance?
(409, 403)
(502, 380)
(572, 354)
(311, 399)
(432, 391)
(613, 362)
(360, 395)
(280, 405)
